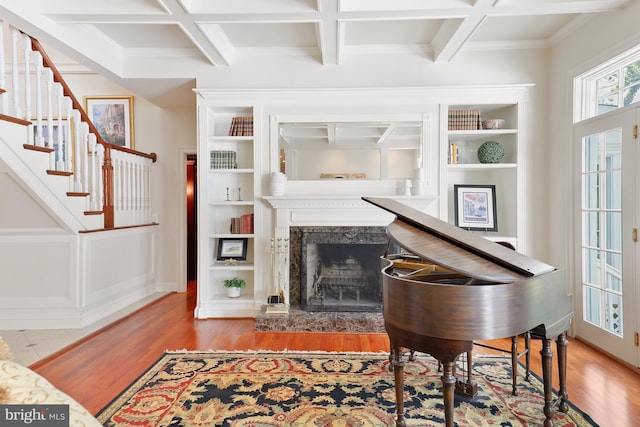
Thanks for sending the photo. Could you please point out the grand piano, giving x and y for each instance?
(464, 289)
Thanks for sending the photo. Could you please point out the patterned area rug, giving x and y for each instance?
(319, 389)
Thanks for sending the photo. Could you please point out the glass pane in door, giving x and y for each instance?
(602, 230)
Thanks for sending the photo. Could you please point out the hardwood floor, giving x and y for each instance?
(96, 369)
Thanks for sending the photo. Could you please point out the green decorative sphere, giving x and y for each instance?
(491, 152)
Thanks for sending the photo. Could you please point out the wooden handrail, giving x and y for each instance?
(57, 77)
(107, 167)
(152, 156)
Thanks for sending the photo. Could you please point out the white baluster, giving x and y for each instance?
(4, 98)
(48, 76)
(26, 46)
(140, 213)
(127, 185)
(100, 180)
(61, 152)
(84, 152)
(17, 111)
(68, 136)
(37, 66)
(93, 192)
(77, 160)
(147, 205)
(60, 145)
(115, 161)
(136, 187)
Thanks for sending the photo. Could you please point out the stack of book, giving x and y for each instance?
(241, 126)
(223, 160)
(464, 120)
(242, 224)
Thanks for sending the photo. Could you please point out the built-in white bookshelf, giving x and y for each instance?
(226, 215)
(463, 167)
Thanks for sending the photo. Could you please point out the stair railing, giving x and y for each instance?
(114, 179)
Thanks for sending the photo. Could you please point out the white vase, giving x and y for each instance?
(278, 180)
(233, 292)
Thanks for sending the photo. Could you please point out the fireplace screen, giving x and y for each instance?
(338, 267)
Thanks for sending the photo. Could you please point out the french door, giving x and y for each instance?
(607, 213)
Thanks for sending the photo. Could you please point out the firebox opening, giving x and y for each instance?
(343, 277)
(337, 268)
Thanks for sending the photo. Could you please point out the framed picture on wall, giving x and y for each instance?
(232, 249)
(475, 207)
(113, 118)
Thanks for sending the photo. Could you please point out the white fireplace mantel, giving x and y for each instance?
(334, 211)
(328, 203)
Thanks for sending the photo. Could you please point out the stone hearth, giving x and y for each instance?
(298, 320)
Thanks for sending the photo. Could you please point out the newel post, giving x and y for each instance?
(107, 175)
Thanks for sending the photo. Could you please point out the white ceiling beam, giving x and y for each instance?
(454, 33)
(204, 42)
(557, 8)
(327, 31)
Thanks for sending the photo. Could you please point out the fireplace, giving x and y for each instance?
(350, 222)
(337, 268)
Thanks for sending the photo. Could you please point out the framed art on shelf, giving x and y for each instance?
(113, 118)
(475, 207)
(232, 249)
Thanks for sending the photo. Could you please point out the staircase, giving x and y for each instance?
(77, 239)
(49, 145)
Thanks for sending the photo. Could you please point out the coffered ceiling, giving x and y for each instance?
(172, 39)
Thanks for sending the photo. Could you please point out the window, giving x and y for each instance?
(612, 85)
(602, 230)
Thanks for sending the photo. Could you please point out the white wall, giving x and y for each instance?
(599, 40)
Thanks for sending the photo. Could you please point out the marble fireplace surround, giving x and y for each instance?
(325, 211)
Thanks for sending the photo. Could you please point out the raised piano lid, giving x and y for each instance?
(454, 248)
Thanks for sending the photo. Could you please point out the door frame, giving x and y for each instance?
(183, 154)
(621, 348)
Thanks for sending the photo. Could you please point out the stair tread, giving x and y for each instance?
(59, 173)
(38, 148)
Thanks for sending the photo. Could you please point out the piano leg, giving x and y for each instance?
(527, 346)
(514, 364)
(547, 361)
(398, 374)
(448, 388)
(561, 344)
